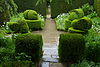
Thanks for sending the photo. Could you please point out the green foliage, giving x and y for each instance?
(30, 15)
(85, 63)
(67, 24)
(7, 9)
(79, 12)
(88, 9)
(92, 15)
(19, 27)
(83, 24)
(5, 41)
(17, 64)
(35, 24)
(96, 24)
(60, 21)
(73, 15)
(93, 51)
(93, 46)
(11, 57)
(30, 44)
(72, 30)
(71, 47)
(16, 17)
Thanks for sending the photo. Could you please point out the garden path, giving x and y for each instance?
(50, 47)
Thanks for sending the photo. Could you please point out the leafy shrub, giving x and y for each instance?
(17, 64)
(88, 9)
(67, 24)
(93, 51)
(72, 30)
(60, 21)
(79, 12)
(30, 15)
(73, 15)
(71, 47)
(19, 27)
(83, 24)
(96, 24)
(30, 44)
(5, 41)
(11, 57)
(85, 63)
(35, 24)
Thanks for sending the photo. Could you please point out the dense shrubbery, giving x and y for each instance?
(5, 41)
(74, 14)
(30, 44)
(85, 63)
(71, 47)
(18, 64)
(19, 27)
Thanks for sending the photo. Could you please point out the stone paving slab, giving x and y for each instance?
(57, 65)
(53, 60)
(45, 64)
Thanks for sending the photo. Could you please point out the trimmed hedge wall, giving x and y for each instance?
(71, 47)
(19, 27)
(31, 4)
(35, 24)
(17, 64)
(60, 6)
(31, 44)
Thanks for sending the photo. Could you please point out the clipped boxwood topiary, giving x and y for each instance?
(67, 24)
(82, 24)
(19, 27)
(34, 24)
(30, 15)
(72, 16)
(71, 47)
(31, 44)
(79, 12)
(72, 30)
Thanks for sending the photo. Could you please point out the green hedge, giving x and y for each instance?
(83, 24)
(30, 15)
(19, 27)
(31, 44)
(71, 47)
(17, 64)
(93, 51)
(79, 12)
(35, 24)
